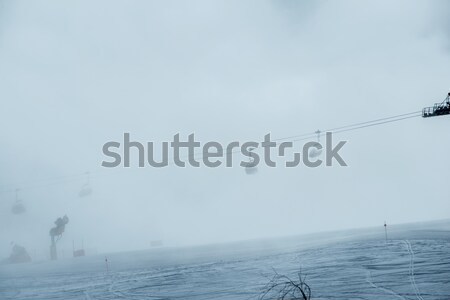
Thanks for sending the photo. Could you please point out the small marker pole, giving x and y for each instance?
(106, 263)
(385, 231)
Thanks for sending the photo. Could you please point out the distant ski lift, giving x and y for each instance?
(86, 189)
(313, 152)
(251, 169)
(18, 207)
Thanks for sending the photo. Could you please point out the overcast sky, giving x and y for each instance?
(77, 74)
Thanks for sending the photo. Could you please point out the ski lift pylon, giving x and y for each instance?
(313, 152)
(86, 189)
(18, 207)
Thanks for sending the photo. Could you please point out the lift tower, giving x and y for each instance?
(439, 109)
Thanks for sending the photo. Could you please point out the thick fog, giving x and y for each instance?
(75, 75)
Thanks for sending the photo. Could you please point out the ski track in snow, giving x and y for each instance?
(411, 270)
(389, 291)
(86, 295)
(363, 270)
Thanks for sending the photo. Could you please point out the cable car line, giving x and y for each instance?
(295, 138)
(334, 130)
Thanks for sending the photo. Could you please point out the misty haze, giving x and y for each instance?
(84, 214)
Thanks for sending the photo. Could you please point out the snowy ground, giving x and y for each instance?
(412, 265)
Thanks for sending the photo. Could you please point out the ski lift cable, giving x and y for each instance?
(45, 182)
(294, 138)
(358, 127)
(308, 136)
(377, 120)
(351, 127)
(347, 126)
(375, 124)
(68, 177)
(39, 185)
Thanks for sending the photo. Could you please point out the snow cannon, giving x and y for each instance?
(56, 234)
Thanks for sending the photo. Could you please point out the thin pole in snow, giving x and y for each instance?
(106, 264)
(385, 230)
